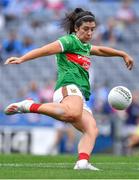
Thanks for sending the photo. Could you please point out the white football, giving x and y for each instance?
(120, 98)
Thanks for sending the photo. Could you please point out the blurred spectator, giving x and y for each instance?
(65, 139)
(12, 45)
(43, 30)
(98, 100)
(12, 10)
(131, 128)
(33, 91)
(91, 101)
(110, 32)
(133, 139)
(101, 94)
(46, 93)
(56, 5)
(78, 3)
(126, 13)
(27, 44)
(133, 110)
(4, 3)
(1, 59)
(2, 20)
(35, 6)
(34, 26)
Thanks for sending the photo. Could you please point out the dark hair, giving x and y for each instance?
(76, 18)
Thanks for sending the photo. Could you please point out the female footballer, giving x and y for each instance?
(72, 88)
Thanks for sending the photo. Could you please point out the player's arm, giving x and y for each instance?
(109, 52)
(50, 49)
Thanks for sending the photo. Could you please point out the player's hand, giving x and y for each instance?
(13, 60)
(128, 61)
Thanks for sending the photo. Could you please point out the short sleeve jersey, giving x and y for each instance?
(73, 64)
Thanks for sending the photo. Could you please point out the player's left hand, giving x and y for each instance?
(13, 60)
(128, 61)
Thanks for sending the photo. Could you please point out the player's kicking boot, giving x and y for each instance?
(84, 164)
(19, 107)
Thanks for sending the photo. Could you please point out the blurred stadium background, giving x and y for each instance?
(25, 25)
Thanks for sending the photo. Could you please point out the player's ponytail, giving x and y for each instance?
(76, 18)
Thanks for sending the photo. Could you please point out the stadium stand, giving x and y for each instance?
(43, 30)
(40, 22)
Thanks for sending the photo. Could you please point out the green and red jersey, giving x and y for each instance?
(73, 64)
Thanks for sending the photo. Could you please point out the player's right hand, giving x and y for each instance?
(13, 60)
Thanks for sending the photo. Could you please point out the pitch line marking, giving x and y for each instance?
(64, 165)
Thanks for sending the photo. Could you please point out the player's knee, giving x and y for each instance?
(76, 116)
(72, 116)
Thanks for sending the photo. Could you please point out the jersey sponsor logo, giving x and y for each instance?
(83, 61)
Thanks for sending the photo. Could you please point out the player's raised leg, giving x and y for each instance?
(64, 111)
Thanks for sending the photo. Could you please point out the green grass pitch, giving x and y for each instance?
(17, 166)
